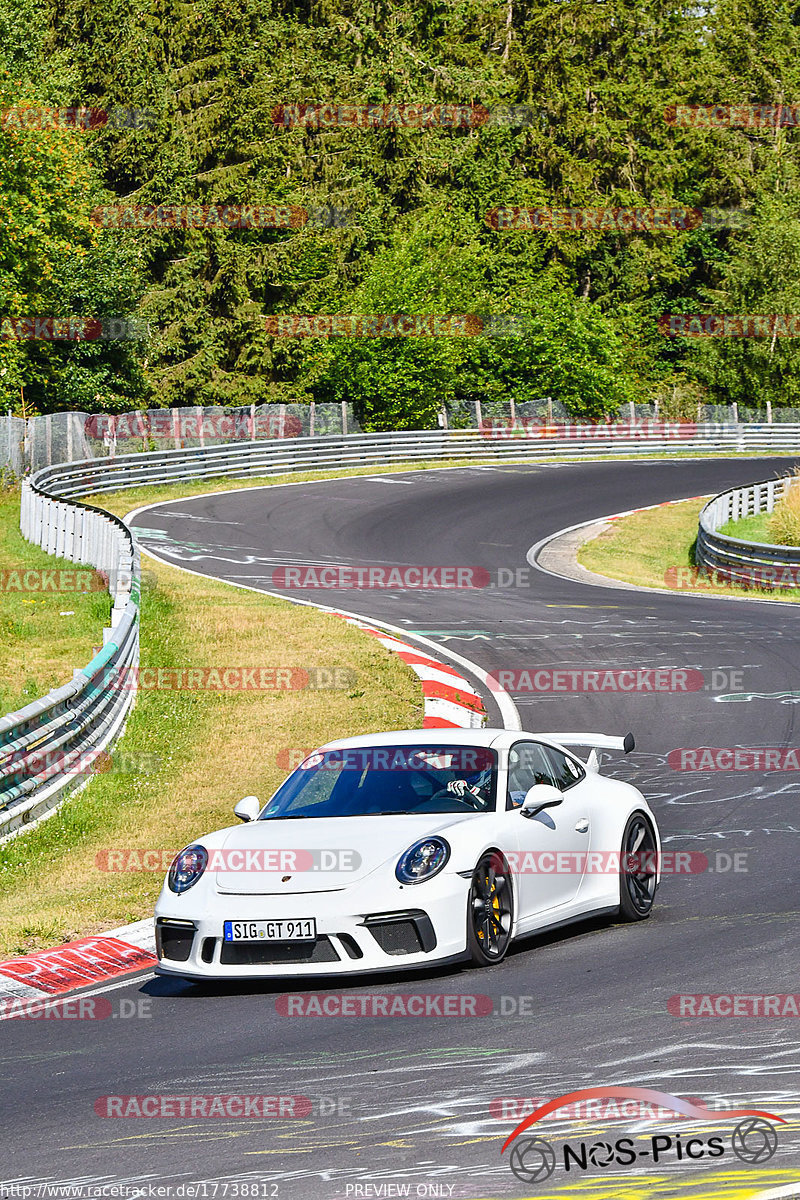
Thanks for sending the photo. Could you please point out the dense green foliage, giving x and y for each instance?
(598, 77)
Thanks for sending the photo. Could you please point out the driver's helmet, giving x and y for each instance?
(482, 780)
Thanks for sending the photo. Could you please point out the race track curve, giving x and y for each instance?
(412, 1096)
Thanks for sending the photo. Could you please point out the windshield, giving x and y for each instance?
(386, 780)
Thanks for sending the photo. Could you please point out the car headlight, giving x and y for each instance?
(423, 860)
(187, 868)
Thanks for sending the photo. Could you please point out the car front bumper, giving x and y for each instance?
(416, 927)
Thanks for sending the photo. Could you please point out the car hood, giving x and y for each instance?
(316, 854)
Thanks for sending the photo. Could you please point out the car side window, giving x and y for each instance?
(528, 764)
(566, 770)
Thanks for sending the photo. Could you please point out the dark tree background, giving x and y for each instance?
(597, 76)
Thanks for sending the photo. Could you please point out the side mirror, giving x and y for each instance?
(540, 796)
(248, 808)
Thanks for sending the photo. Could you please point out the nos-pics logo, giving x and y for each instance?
(533, 1159)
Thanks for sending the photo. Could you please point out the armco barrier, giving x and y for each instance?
(739, 561)
(85, 715)
(48, 747)
(240, 459)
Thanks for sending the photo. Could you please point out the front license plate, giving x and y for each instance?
(269, 931)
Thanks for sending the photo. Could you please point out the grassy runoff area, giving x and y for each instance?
(187, 756)
(655, 548)
(44, 632)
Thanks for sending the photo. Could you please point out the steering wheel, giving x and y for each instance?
(475, 802)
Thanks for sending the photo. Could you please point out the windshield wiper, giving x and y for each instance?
(287, 817)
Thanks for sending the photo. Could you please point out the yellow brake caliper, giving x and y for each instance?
(495, 906)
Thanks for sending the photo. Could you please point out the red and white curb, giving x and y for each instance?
(90, 960)
(449, 701)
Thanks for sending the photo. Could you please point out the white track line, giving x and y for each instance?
(508, 710)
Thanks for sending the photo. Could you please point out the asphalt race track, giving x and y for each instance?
(406, 1101)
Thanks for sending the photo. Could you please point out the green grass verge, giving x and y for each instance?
(750, 529)
(44, 633)
(655, 548)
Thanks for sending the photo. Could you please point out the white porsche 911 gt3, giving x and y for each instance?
(410, 848)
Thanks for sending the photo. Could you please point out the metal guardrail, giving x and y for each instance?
(749, 564)
(240, 459)
(85, 715)
(51, 746)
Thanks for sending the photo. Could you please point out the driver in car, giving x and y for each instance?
(477, 785)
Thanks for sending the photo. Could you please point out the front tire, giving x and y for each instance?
(637, 869)
(490, 911)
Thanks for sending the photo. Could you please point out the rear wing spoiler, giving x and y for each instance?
(598, 741)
